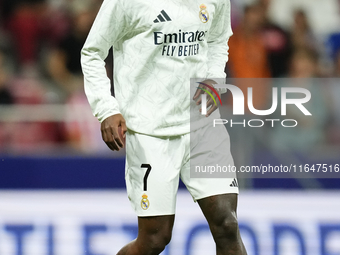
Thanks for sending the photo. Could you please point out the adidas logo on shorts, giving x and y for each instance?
(234, 183)
(163, 17)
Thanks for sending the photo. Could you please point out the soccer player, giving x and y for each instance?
(158, 46)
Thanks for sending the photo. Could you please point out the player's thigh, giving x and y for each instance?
(152, 173)
(209, 147)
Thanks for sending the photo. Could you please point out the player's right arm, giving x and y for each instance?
(109, 27)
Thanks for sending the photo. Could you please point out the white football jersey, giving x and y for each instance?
(158, 45)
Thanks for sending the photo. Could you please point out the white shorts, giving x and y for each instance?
(154, 165)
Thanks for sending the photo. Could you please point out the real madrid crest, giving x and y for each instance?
(204, 14)
(145, 202)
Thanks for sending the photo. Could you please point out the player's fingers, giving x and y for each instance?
(197, 93)
(108, 136)
(112, 146)
(116, 137)
(108, 139)
(103, 135)
(212, 108)
(210, 102)
(199, 101)
(124, 128)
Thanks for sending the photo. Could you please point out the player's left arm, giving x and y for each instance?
(218, 38)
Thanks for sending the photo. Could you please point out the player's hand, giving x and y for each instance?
(210, 101)
(113, 131)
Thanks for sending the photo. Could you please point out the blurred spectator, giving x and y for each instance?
(84, 13)
(63, 66)
(25, 28)
(62, 62)
(61, 83)
(248, 57)
(302, 35)
(55, 23)
(310, 131)
(277, 43)
(303, 63)
(49, 36)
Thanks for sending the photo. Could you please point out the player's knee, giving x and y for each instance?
(226, 229)
(157, 243)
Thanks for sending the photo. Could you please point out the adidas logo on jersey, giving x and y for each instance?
(163, 17)
(234, 183)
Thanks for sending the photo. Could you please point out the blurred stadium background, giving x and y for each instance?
(62, 192)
